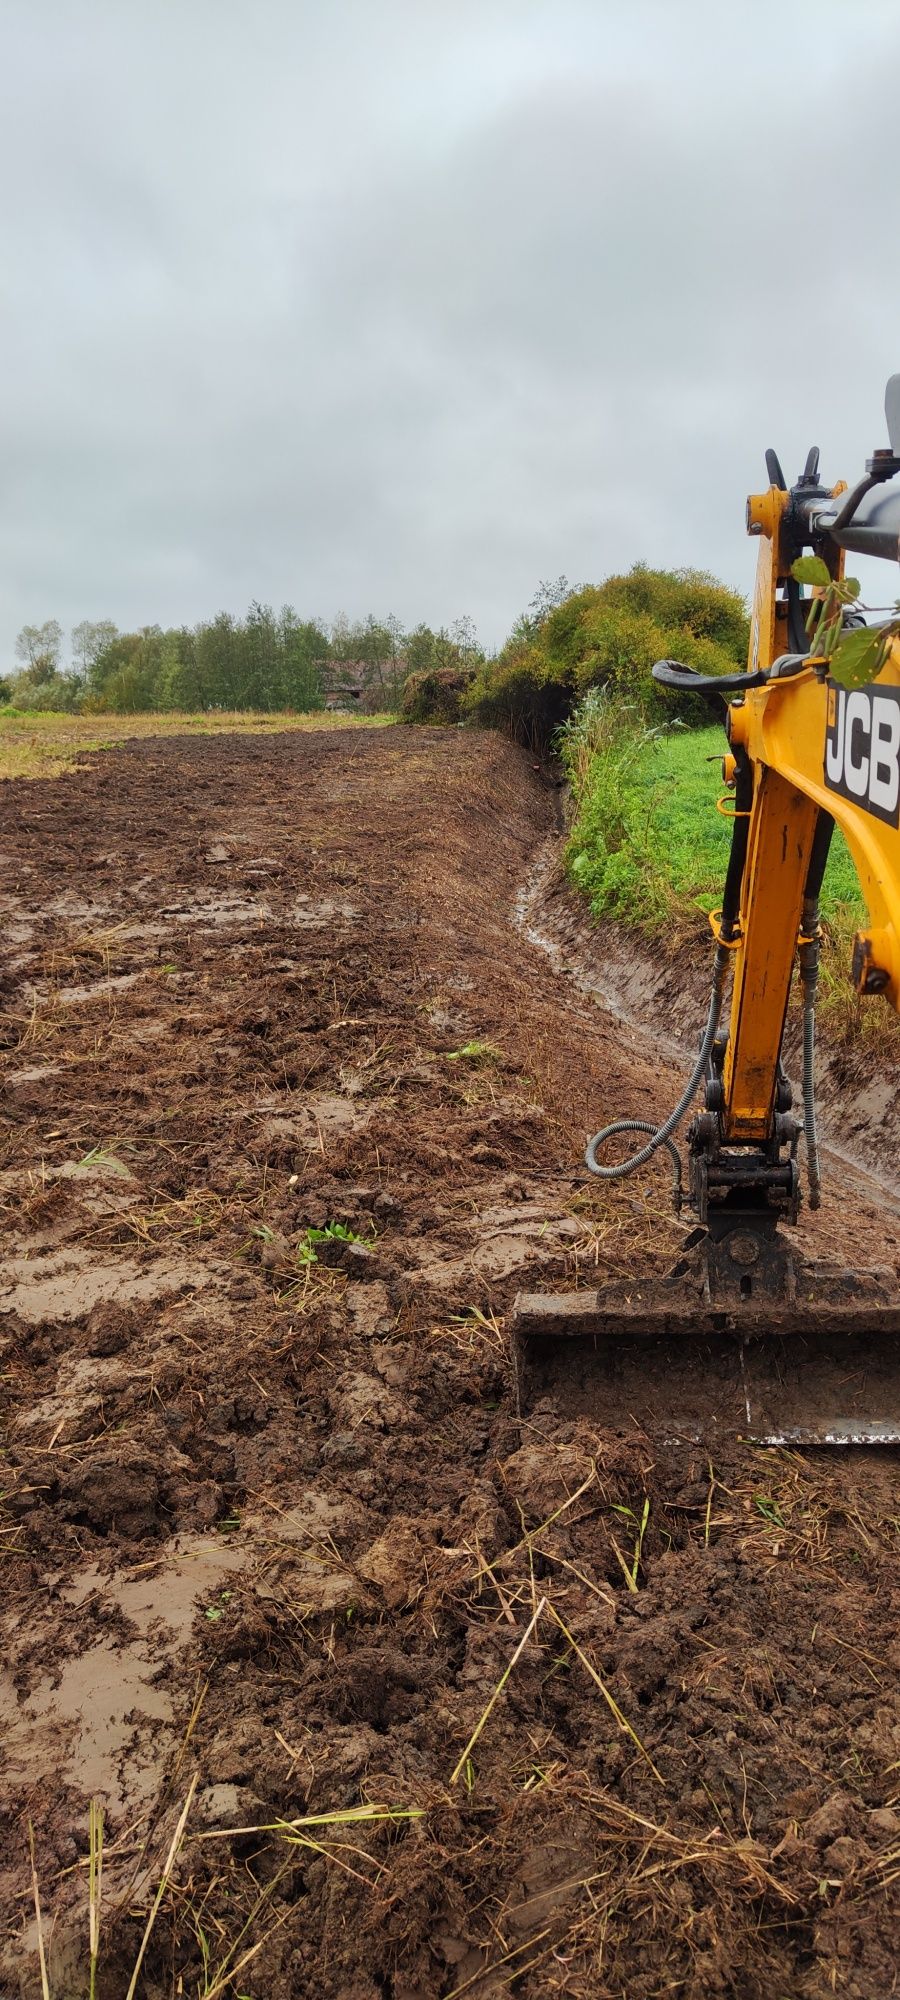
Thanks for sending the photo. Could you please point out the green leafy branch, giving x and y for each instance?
(854, 657)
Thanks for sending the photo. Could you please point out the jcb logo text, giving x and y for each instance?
(862, 748)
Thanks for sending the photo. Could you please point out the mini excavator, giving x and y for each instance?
(745, 1335)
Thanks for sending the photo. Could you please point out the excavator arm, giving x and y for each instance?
(815, 749)
(744, 1330)
(805, 754)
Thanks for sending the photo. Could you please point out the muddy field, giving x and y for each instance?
(293, 1107)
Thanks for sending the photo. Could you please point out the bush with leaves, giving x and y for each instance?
(59, 692)
(836, 628)
(433, 695)
(440, 667)
(609, 636)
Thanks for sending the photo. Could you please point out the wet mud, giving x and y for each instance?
(294, 1105)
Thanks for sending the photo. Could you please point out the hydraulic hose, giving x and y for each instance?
(628, 1166)
(809, 978)
(809, 973)
(740, 834)
(660, 1134)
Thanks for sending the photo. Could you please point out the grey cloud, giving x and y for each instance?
(402, 309)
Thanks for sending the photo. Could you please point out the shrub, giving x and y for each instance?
(520, 693)
(57, 692)
(434, 695)
(685, 598)
(608, 636)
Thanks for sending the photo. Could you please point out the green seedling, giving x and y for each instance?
(473, 1316)
(536, 1778)
(474, 1052)
(95, 1881)
(639, 1539)
(630, 1572)
(333, 1232)
(770, 1510)
(99, 1156)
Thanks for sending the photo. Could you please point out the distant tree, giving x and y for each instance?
(342, 638)
(38, 647)
(104, 659)
(397, 659)
(257, 649)
(420, 646)
(218, 661)
(547, 598)
(89, 640)
(376, 650)
(180, 685)
(453, 651)
(465, 638)
(372, 643)
(304, 646)
(126, 675)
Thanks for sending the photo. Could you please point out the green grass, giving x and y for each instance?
(649, 846)
(42, 744)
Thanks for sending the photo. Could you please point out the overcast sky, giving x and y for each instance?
(402, 305)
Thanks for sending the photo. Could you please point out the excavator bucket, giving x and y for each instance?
(811, 1358)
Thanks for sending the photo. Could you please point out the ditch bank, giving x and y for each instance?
(660, 997)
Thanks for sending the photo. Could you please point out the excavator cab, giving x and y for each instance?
(746, 1334)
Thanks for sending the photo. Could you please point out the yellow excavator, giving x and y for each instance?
(745, 1335)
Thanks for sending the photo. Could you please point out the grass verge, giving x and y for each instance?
(38, 744)
(648, 847)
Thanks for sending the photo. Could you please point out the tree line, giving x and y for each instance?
(268, 661)
(568, 642)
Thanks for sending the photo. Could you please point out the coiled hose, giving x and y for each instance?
(809, 972)
(660, 1134)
